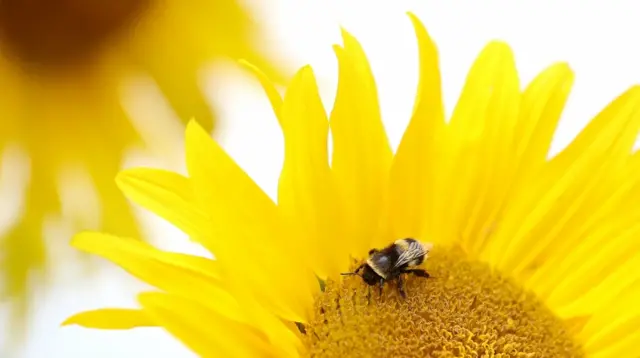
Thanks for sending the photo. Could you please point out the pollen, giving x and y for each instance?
(464, 310)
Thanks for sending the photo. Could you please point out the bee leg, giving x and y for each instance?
(401, 287)
(418, 272)
(381, 286)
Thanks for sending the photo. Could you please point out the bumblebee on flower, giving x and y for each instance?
(448, 183)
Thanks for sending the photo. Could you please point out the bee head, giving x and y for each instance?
(369, 276)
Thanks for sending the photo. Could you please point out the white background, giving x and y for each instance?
(598, 39)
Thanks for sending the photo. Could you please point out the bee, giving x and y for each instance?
(390, 263)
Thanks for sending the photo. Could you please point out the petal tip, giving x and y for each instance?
(151, 299)
(498, 45)
(561, 69)
(80, 239)
(307, 76)
(498, 49)
(347, 38)
(415, 19)
(195, 131)
(123, 176)
(251, 67)
(344, 32)
(337, 48)
(68, 322)
(306, 72)
(565, 70)
(77, 319)
(193, 125)
(416, 22)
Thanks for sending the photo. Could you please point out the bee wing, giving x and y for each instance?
(413, 252)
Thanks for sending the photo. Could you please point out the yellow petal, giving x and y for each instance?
(361, 152)
(204, 331)
(477, 169)
(615, 333)
(306, 192)
(608, 266)
(192, 276)
(111, 318)
(270, 90)
(293, 183)
(614, 324)
(612, 132)
(167, 194)
(496, 154)
(609, 213)
(182, 89)
(415, 166)
(624, 348)
(542, 104)
(117, 215)
(248, 225)
(23, 249)
(180, 84)
(542, 210)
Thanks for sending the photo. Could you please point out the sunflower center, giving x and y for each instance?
(48, 34)
(463, 310)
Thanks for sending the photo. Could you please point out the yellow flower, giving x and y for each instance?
(61, 64)
(532, 256)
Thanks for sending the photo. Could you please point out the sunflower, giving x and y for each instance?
(531, 256)
(62, 62)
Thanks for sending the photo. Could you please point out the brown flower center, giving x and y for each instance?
(464, 310)
(49, 34)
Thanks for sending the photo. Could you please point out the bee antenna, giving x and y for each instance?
(354, 273)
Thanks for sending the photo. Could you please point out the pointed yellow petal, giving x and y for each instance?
(496, 155)
(248, 224)
(167, 194)
(615, 334)
(477, 166)
(598, 225)
(361, 152)
(111, 318)
(117, 215)
(624, 348)
(609, 265)
(412, 194)
(612, 132)
(306, 192)
(269, 89)
(24, 251)
(614, 324)
(204, 331)
(181, 86)
(542, 104)
(192, 276)
(545, 206)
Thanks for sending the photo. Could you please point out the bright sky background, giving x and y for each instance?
(598, 39)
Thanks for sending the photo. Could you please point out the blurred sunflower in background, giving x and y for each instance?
(62, 63)
(532, 256)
